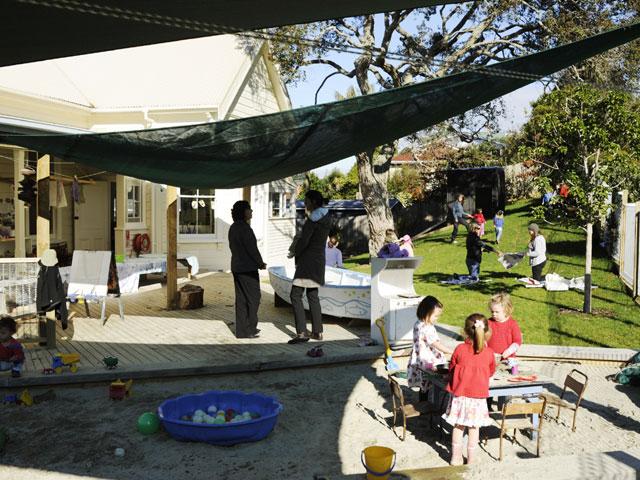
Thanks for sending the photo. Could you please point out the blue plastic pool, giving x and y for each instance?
(171, 410)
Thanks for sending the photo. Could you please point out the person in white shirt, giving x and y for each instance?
(537, 252)
(333, 254)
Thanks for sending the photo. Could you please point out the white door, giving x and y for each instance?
(159, 237)
(92, 218)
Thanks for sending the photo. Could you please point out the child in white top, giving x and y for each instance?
(428, 350)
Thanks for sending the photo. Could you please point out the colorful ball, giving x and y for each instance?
(148, 423)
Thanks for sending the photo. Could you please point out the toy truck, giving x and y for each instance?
(65, 360)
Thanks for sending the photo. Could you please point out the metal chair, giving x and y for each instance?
(578, 388)
(408, 410)
(517, 416)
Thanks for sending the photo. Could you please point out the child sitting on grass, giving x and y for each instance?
(11, 353)
(428, 350)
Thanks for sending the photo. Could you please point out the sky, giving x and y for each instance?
(303, 94)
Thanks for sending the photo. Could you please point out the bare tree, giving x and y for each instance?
(399, 48)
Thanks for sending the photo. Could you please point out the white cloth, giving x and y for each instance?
(537, 250)
(89, 274)
(333, 256)
(62, 196)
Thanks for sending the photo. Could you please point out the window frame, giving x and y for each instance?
(198, 237)
(139, 223)
(284, 212)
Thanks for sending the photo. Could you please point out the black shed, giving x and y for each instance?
(482, 187)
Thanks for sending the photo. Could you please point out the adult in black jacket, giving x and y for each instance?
(475, 246)
(245, 263)
(308, 248)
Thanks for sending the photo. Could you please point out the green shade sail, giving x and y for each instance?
(34, 30)
(256, 150)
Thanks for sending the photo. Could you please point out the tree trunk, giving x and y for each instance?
(587, 269)
(375, 198)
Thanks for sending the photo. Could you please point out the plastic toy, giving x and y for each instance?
(119, 389)
(26, 398)
(148, 423)
(110, 362)
(65, 360)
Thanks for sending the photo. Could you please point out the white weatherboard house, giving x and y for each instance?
(170, 84)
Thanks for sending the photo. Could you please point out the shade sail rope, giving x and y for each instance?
(254, 150)
(214, 29)
(208, 27)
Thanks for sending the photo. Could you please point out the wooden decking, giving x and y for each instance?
(152, 341)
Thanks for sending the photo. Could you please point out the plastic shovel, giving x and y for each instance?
(391, 364)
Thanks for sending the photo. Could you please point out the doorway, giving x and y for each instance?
(93, 217)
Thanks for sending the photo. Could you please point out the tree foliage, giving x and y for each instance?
(589, 139)
(399, 48)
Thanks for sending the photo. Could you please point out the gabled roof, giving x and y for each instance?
(188, 73)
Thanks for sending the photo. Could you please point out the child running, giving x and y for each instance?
(506, 337)
(11, 353)
(498, 223)
(428, 350)
(472, 365)
(478, 217)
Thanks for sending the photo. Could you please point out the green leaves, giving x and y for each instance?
(588, 139)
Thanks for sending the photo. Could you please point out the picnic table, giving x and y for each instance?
(526, 384)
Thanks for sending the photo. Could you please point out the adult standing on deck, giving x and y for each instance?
(245, 263)
(308, 248)
(537, 252)
(459, 216)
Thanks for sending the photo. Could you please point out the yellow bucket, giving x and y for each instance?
(378, 462)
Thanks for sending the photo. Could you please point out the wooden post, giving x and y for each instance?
(121, 216)
(42, 202)
(20, 227)
(246, 194)
(172, 246)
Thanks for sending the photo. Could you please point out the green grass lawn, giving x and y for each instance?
(550, 318)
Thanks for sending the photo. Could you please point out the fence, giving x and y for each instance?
(627, 252)
(18, 287)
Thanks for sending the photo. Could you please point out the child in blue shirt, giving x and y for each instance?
(498, 223)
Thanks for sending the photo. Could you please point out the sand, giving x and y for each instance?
(330, 414)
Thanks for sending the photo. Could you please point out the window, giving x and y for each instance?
(134, 200)
(197, 211)
(274, 202)
(280, 204)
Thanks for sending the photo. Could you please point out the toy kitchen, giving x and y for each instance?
(393, 297)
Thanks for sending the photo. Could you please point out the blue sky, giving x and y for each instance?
(517, 103)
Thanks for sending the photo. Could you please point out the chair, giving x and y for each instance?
(574, 384)
(517, 416)
(408, 410)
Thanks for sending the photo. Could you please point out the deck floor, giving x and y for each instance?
(152, 341)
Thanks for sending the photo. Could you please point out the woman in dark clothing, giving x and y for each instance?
(245, 263)
(308, 248)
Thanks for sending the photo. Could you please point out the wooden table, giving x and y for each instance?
(501, 387)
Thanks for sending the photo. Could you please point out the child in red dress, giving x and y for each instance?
(478, 217)
(472, 365)
(506, 337)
